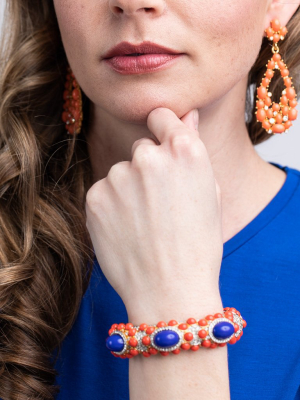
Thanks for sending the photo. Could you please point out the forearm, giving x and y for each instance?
(194, 375)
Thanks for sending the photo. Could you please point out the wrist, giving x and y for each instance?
(167, 308)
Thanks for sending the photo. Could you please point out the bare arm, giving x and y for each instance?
(201, 374)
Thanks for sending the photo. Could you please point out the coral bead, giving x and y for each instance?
(150, 330)
(269, 32)
(290, 93)
(191, 321)
(202, 322)
(268, 101)
(121, 326)
(281, 64)
(76, 115)
(182, 327)
(114, 326)
(265, 82)
(110, 331)
(218, 315)
(278, 119)
(269, 113)
(185, 346)
(288, 82)
(266, 125)
(146, 340)
(164, 353)
(288, 124)
(195, 347)
(132, 332)
(222, 344)
(209, 317)
(275, 24)
(143, 327)
(285, 72)
(276, 107)
(153, 351)
(244, 323)
(293, 114)
(228, 314)
(276, 38)
(206, 343)
(129, 326)
(133, 352)
(269, 74)
(283, 31)
(271, 64)
(133, 342)
(146, 354)
(276, 57)
(177, 351)
(285, 110)
(172, 322)
(278, 128)
(236, 327)
(188, 336)
(261, 114)
(202, 333)
(260, 104)
(76, 94)
(65, 116)
(293, 103)
(262, 92)
(232, 340)
(161, 324)
(213, 345)
(284, 100)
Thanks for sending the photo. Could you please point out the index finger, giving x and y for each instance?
(164, 124)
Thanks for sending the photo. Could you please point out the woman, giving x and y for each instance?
(183, 216)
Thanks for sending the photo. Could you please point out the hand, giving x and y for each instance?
(155, 223)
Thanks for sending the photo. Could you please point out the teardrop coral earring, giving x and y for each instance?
(72, 115)
(276, 118)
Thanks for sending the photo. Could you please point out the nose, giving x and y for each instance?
(132, 7)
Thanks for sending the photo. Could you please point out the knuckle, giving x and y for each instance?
(144, 157)
(93, 195)
(180, 141)
(117, 172)
(187, 146)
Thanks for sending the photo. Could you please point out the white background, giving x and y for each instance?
(283, 149)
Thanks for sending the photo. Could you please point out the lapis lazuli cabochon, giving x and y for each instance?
(166, 338)
(222, 330)
(115, 343)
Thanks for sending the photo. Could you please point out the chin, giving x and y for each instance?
(138, 111)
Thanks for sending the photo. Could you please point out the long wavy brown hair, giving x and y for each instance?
(45, 250)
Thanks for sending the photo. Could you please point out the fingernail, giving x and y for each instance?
(196, 118)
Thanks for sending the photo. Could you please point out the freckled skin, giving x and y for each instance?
(221, 40)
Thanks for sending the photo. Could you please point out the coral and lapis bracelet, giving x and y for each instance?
(127, 340)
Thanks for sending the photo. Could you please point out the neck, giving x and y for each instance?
(247, 182)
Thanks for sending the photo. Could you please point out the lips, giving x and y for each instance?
(126, 49)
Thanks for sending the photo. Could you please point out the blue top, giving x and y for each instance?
(260, 277)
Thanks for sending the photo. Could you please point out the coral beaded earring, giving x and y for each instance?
(276, 118)
(72, 115)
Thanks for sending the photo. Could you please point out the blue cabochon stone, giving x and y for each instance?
(166, 338)
(223, 329)
(115, 343)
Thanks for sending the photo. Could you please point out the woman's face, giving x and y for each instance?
(220, 40)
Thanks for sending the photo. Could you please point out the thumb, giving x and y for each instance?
(191, 119)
